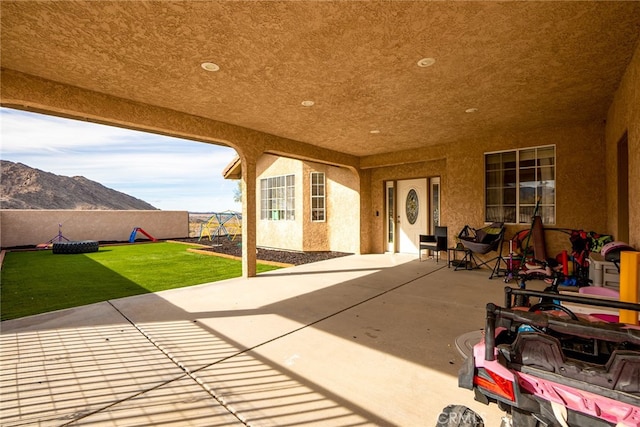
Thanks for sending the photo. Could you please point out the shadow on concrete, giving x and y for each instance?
(109, 360)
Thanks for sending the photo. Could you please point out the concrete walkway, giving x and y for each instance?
(359, 340)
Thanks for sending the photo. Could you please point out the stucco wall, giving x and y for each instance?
(32, 227)
(580, 190)
(340, 231)
(344, 225)
(580, 180)
(624, 116)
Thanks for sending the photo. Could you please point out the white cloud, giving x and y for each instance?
(25, 132)
(169, 173)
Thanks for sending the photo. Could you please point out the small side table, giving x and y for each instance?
(452, 256)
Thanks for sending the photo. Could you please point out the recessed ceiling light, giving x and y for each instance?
(210, 66)
(471, 110)
(426, 62)
(308, 103)
(374, 131)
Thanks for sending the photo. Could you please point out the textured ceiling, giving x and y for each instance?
(521, 64)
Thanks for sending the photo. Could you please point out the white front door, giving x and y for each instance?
(413, 209)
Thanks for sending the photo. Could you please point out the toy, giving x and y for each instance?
(547, 366)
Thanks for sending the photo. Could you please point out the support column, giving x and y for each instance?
(249, 219)
(366, 217)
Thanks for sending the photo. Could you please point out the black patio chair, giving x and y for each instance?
(434, 242)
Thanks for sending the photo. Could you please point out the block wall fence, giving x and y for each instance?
(32, 227)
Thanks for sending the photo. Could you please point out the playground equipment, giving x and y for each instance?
(76, 247)
(219, 224)
(56, 239)
(59, 237)
(134, 232)
(61, 245)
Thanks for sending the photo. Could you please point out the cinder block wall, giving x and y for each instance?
(32, 227)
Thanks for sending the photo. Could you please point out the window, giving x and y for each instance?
(277, 198)
(318, 206)
(515, 181)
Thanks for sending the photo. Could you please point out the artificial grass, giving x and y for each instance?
(36, 282)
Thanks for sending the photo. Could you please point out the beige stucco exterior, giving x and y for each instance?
(580, 184)
(580, 180)
(32, 227)
(339, 232)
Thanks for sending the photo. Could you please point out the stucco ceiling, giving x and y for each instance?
(520, 64)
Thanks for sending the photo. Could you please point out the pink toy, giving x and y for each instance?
(547, 366)
(600, 291)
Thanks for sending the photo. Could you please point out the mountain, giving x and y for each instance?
(23, 187)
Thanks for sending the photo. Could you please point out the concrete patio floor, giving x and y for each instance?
(359, 340)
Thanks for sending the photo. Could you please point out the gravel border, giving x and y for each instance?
(234, 248)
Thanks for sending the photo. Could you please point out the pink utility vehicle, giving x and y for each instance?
(544, 365)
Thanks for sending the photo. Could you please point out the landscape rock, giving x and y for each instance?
(234, 247)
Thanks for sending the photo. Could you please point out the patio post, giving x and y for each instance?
(249, 226)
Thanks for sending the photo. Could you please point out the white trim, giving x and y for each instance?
(518, 172)
(285, 202)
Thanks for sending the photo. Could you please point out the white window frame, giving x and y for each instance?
(506, 187)
(318, 192)
(277, 198)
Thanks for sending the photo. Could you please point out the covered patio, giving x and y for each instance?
(359, 340)
(386, 92)
(389, 92)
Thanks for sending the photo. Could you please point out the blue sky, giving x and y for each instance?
(169, 173)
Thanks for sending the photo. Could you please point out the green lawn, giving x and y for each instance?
(38, 281)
